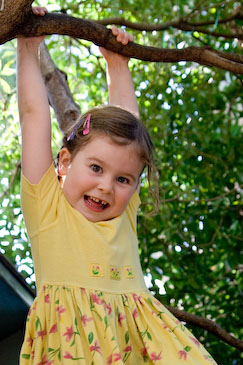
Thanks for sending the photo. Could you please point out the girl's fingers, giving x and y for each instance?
(39, 10)
(121, 36)
(114, 30)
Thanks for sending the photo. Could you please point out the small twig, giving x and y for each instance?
(214, 234)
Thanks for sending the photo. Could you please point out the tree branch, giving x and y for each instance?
(86, 29)
(207, 324)
(181, 24)
(59, 95)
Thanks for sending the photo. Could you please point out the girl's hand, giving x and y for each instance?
(39, 10)
(122, 37)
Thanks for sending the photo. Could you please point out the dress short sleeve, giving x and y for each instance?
(132, 210)
(39, 201)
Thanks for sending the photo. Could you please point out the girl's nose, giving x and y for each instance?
(106, 185)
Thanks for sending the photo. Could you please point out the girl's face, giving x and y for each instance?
(100, 180)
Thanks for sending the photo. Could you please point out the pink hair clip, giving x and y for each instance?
(86, 127)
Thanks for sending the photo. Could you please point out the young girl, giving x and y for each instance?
(92, 305)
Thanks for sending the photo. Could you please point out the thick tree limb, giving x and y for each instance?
(79, 28)
(208, 325)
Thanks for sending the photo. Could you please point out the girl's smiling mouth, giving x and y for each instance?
(95, 204)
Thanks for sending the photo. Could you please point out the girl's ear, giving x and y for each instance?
(64, 162)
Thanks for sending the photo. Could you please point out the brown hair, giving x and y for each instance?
(123, 128)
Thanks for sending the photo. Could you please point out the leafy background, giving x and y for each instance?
(191, 250)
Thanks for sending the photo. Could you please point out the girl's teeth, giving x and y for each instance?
(98, 200)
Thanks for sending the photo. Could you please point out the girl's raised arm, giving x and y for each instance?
(34, 110)
(119, 79)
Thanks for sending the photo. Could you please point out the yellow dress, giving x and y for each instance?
(92, 306)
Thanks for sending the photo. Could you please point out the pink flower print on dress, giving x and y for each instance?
(113, 358)
(85, 319)
(41, 334)
(44, 361)
(121, 318)
(197, 343)
(182, 354)
(95, 347)
(68, 355)
(144, 352)
(108, 308)
(30, 340)
(135, 313)
(96, 299)
(128, 349)
(137, 298)
(53, 329)
(60, 310)
(69, 334)
(47, 299)
(155, 357)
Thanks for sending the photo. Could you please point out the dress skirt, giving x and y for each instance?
(68, 324)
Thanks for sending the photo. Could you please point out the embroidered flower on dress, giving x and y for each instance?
(115, 273)
(96, 270)
(128, 271)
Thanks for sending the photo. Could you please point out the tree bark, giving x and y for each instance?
(18, 21)
(59, 95)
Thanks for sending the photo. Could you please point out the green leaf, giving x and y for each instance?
(90, 337)
(25, 356)
(127, 337)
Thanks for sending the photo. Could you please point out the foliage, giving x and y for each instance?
(190, 251)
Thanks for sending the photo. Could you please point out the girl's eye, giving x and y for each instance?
(123, 180)
(96, 168)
